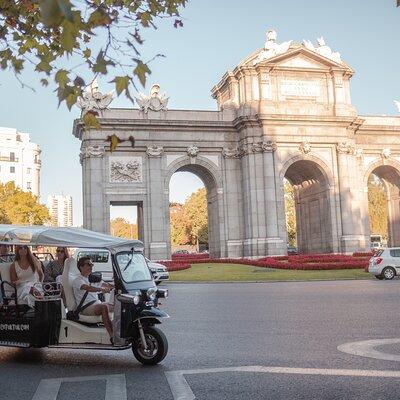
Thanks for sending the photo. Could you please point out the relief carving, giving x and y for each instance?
(192, 151)
(155, 151)
(230, 152)
(345, 148)
(305, 147)
(125, 169)
(91, 151)
(386, 153)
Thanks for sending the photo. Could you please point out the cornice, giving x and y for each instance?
(151, 124)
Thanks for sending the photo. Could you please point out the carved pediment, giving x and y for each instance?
(301, 61)
(301, 57)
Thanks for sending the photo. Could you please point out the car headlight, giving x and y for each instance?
(151, 294)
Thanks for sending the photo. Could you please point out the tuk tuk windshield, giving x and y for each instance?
(133, 267)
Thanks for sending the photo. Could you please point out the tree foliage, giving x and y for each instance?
(122, 228)
(290, 211)
(189, 223)
(19, 207)
(377, 206)
(63, 40)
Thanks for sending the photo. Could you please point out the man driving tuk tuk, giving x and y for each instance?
(86, 295)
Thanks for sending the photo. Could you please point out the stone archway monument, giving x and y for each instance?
(284, 112)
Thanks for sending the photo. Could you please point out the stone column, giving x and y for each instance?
(275, 243)
(92, 160)
(353, 237)
(261, 220)
(232, 212)
(157, 229)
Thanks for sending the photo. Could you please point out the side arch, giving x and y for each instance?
(388, 171)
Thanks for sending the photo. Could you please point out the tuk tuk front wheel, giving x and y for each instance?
(157, 347)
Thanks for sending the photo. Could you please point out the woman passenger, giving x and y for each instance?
(54, 269)
(25, 271)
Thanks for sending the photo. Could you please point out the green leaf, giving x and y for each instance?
(121, 83)
(140, 71)
(66, 9)
(18, 65)
(44, 66)
(50, 12)
(101, 64)
(62, 78)
(71, 99)
(87, 53)
(91, 121)
(99, 18)
(68, 37)
(44, 82)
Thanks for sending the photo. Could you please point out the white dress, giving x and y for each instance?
(27, 279)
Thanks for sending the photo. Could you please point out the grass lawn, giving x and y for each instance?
(237, 272)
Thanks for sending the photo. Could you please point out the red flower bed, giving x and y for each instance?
(359, 254)
(295, 262)
(175, 266)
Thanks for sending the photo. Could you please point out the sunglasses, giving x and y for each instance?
(60, 250)
(23, 247)
(89, 264)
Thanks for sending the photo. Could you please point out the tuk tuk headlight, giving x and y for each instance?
(151, 294)
(136, 299)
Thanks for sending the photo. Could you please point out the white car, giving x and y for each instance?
(385, 264)
(102, 263)
(160, 272)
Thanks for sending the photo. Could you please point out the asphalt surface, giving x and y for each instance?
(295, 325)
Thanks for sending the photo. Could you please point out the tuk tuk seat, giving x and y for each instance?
(5, 277)
(70, 272)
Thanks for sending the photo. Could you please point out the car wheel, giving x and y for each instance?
(389, 273)
(380, 277)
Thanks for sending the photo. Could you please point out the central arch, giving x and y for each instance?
(312, 205)
(212, 181)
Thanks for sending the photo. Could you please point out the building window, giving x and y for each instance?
(12, 156)
(28, 185)
(12, 170)
(28, 170)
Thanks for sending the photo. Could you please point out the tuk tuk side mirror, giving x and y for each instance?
(95, 277)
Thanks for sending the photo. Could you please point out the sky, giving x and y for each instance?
(216, 36)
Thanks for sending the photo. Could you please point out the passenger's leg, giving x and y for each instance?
(102, 309)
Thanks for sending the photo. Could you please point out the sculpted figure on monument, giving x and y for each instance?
(272, 48)
(93, 100)
(323, 49)
(386, 153)
(155, 101)
(192, 151)
(305, 147)
(230, 152)
(345, 148)
(155, 151)
(397, 103)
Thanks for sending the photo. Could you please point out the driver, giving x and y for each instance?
(81, 285)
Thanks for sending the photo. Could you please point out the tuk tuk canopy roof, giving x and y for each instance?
(64, 237)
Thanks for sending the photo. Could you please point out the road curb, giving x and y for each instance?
(272, 281)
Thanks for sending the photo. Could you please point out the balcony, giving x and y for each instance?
(9, 159)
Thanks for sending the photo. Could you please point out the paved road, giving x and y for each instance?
(286, 334)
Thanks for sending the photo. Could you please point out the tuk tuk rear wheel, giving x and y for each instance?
(157, 347)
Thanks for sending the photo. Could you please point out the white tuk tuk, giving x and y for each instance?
(51, 323)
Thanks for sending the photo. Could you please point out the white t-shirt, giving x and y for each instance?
(79, 293)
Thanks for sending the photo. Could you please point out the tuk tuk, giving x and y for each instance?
(54, 320)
